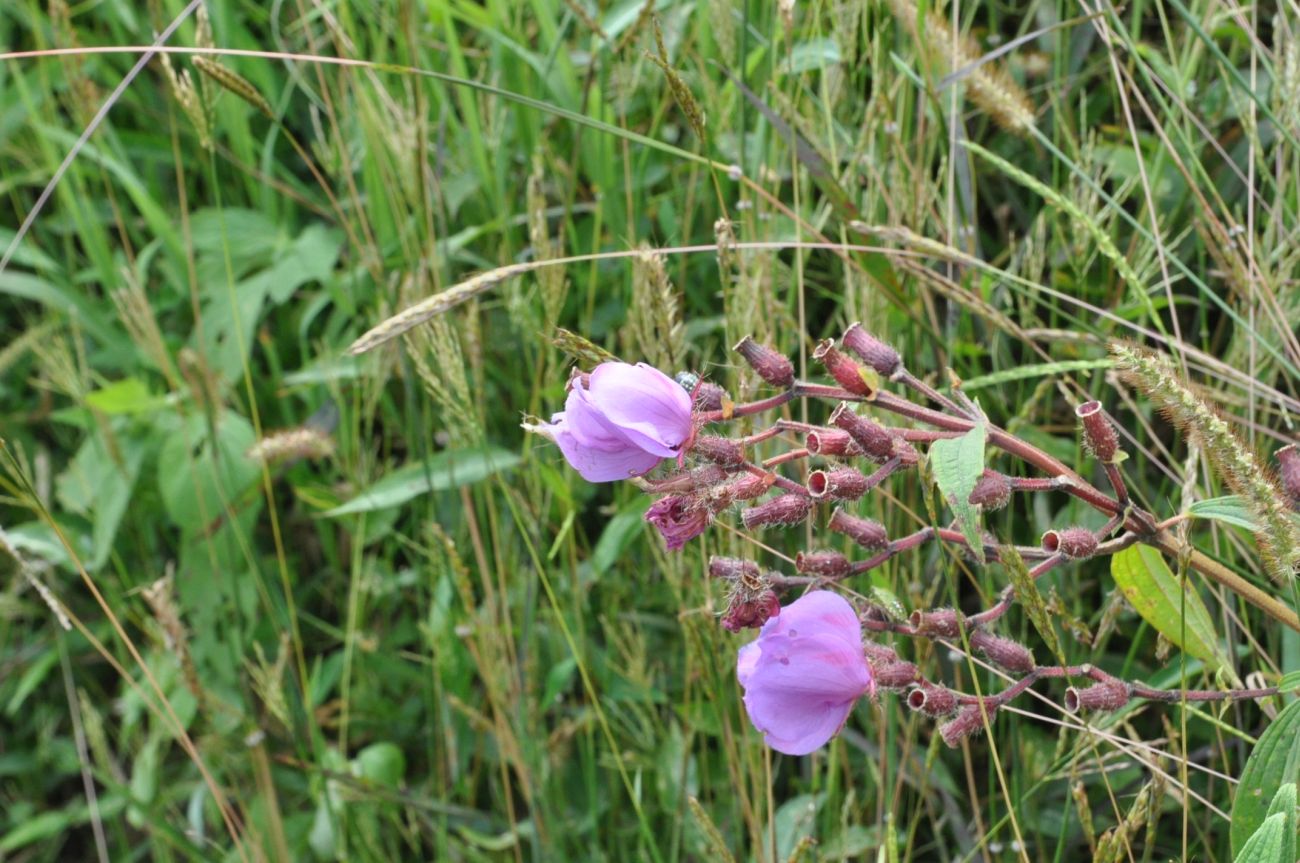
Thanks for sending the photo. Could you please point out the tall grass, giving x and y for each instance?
(335, 607)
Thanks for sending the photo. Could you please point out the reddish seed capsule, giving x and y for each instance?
(828, 564)
(1108, 696)
(865, 532)
(710, 397)
(879, 654)
(831, 442)
(969, 720)
(786, 510)
(1098, 433)
(748, 611)
(846, 372)
(771, 366)
(746, 487)
(841, 483)
(894, 675)
(719, 450)
(874, 352)
(992, 490)
(1011, 655)
(732, 568)
(932, 700)
(1288, 464)
(943, 623)
(876, 442)
(1073, 542)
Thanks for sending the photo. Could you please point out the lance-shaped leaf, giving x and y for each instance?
(1179, 615)
(957, 464)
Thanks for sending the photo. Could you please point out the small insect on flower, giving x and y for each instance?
(620, 421)
(804, 672)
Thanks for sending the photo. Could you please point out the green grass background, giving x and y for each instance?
(487, 658)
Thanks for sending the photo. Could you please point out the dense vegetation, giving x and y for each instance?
(263, 599)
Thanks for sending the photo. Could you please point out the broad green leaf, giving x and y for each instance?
(201, 478)
(1030, 599)
(1265, 844)
(957, 464)
(1228, 509)
(619, 531)
(127, 396)
(1284, 803)
(98, 484)
(1289, 681)
(1152, 589)
(1274, 762)
(447, 469)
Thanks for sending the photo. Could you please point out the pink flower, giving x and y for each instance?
(620, 421)
(804, 672)
(679, 519)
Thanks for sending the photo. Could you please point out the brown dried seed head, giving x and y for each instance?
(1098, 433)
(864, 531)
(829, 564)
(750, 611)
(771, 366)
(846, 372)
(1073, 542)
(1108, 696)
(786, 510)
(874, 352)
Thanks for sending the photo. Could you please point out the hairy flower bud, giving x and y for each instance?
(841, 483)
(846, 372)
(1098, 433)
(1109, 696)
(864, 531)
(710, 397)
(876, 442)
(750, 611)
(1288, 464)
(932, 700)
(732, 568)
(942, 623)
(831, 442)
(992, 490)
(679, 518)
(1010, 655)
(719, 450)
(828, 564)
(1073, 542)
(874, 352)
(969, 720)
(771, 366)
(786, 510)
(894, 675)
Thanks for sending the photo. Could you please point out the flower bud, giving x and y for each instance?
(876, 442)
(1098, 433)
(831, 442)
(992, 490)
(719, 450)
(874, 352)
(1288, 463)
(828, 564)
(1010, 655)
(969, 720)
(1109, 696)
(846, 372)
(773, 367)
(894, 675)
(785, 510)
(865, 532)
(679, 518)
(732, 568)
(841, 483)
(943, 623)
(932, 700)
(1073, 542)
(710, 397)
(750, 611)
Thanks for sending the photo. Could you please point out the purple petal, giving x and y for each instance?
(815, 613)
(649, 408)
(746, 662)
(594, 463)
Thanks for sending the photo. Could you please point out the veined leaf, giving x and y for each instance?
(957, 464)
(1152, 589)
(1273, 763)
(1229, 509)
(449, 469)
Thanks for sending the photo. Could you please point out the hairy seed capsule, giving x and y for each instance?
(831, 442)
(846, 372)
(828, 564)
(1011, 655)
(1073, 542)
(874, 352)
(748, 611)
(841, 483)
(710, 397)
(786, 510)
(992, 490)
(1109, 696)
(969, 720)
(771, 366)
(943, 623)
(719, 450)
(864, 531)
(1098, 433)
(732, 568)
(932, 700)
(894, 675)
(1288, 463)
(876, 442)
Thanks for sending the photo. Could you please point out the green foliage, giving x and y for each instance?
(1273, 764)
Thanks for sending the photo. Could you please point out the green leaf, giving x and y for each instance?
(200, 478)
(1036, 370)
(957, 464)
(618, 533)
(1265, 844)
(1284, 803)
(1152, 589)
(1228, 509)
(382, 763)
(446, 470)
(127, 396)
(1274, 762)
(1029, 597)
